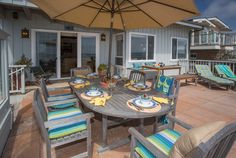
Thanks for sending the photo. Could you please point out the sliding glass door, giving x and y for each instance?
(46, 52)
(57, 52)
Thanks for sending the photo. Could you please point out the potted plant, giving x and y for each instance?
(23, 61)
(102, 69)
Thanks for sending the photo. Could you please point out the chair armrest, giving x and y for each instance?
(75, 119)
(136, 135)
(179, 122)
(48, 104)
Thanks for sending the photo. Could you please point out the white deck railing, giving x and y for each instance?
(189, 65)
(17, 78)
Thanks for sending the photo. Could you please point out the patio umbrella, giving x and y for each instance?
(119, 14)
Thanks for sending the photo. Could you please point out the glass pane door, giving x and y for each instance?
(88, 52)
(68, 53)
(46, 51)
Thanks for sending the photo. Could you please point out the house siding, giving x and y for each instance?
(18, 46)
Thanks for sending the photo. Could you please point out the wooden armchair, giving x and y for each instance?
(137, 76)
(62, 127)
(80, 71)
(208, 141)
(40, 74)
(59, 97)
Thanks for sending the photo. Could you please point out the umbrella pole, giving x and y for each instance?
(110, 41)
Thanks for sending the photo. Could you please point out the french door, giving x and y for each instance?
(59, 51)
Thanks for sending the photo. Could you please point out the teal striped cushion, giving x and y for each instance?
(67, 130)
(61, 106)
(65, 113)
(61, 99)
(163, 140)
(58, 95)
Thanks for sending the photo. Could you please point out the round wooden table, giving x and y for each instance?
(117, 107)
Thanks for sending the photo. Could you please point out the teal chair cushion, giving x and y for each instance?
(61, 106)
(58, 95)
(65, 113)
(165, 84)
(203, 70)
(66, 130)
(164, 141)
(150, 63)
(53, 99)
(225, 69)
(137, 65)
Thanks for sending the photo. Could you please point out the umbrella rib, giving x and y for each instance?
(145, 13)
(98, 13)
(94, 7)
(131, 6)
(100, 5)
(71, 9)
(118, 6)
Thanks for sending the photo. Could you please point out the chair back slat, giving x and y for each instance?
(40, 113)
(44, 89)
(137, 76)
(80, 71)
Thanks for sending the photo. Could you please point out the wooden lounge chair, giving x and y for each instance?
(40, 74)
(57, 130)
(206, 75)
(207, 141)
(59, 97)
(224, 71)
(137, 76)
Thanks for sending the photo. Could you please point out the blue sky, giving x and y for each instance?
(223, 9)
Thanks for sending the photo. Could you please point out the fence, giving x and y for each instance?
(17, 78)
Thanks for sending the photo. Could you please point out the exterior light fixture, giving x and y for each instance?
(24, 33)
(103, 37)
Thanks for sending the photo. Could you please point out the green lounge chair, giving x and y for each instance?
(206, 75)
(224, 71)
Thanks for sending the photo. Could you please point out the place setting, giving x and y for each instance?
(144, 103)
(138, 87)
(96, 96)
(80, 83)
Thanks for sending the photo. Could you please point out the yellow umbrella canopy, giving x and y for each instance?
(127, 14)
(119, 14)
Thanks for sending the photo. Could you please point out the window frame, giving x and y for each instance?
(187, 53)
(123, 49)
(154, 51)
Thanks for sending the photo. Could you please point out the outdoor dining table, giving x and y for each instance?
(117, 107)
(160, 70)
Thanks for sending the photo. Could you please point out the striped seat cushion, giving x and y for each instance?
(67, 130)
(65, 113)
(163, 140)
(52, 99)
(59, 95)
(61, 106)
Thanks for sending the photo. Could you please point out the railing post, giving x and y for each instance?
(23, 80)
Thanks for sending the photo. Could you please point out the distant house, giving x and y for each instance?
(215, 41)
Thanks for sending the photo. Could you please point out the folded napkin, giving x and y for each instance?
(161, 100)
(82, 85)
(100, 101)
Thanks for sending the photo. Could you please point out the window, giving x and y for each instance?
(142, 47)
(119, 50)
(2, 75)
(179, 48)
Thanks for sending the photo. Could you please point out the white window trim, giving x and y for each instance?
(146, 34)
(122, 57)
(182, 38)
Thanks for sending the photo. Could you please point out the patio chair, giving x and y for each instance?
(224, 71)
(58, 97)
(137, 76)
(80, 71)
(207, 141)
(40, 74)
(62, 127)
(206, 75)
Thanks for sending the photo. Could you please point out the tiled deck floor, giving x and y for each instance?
(196, 105)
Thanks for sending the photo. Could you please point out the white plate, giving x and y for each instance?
(92, 74)
(140, 85)
(144, 103)
(93, 93)
(79, 81)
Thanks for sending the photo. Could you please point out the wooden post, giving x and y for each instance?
(23, 80)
